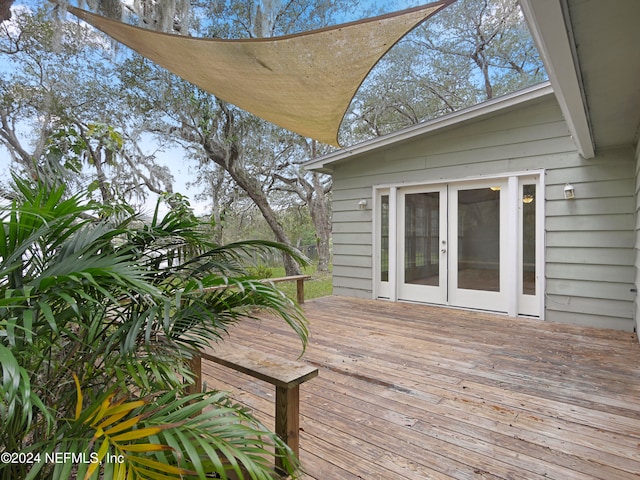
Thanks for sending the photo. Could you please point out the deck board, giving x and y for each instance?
(417, 392)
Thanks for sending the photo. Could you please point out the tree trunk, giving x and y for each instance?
(228, 161)
(215, 183)
(319, 211)
(291, 267)
(315, 194)
(107, 197)
(252, 188)
(5, 10)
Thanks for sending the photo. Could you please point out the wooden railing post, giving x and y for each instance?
(300, 290)
(196, 367)
(288, 419)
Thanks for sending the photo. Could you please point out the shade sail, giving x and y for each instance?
(303, 82)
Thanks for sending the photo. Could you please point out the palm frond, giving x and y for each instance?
(90, 289)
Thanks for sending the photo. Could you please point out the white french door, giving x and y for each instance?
(474, 244)
(477, 256)
(422, 244)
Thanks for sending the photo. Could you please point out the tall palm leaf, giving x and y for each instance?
(95, 293)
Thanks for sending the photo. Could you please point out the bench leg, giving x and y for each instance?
(287, 420)
(300, 291)
(196, 368)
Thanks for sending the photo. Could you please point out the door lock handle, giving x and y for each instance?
(444, 250)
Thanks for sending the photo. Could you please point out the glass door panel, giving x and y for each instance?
(479, 239)
(422, 236)
(528, 240)
(384, 238)
(385, 233)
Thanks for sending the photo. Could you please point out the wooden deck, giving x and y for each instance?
(416, 392)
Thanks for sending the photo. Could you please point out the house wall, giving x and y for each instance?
(590, 241)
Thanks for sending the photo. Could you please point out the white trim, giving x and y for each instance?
(548, 24)
(393, 243)
(379, 290)
(454, 119)
(472, 178)
(376, 206)
(514, 265)
(541, 242)
(532, 305)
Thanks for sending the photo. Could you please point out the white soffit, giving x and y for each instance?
(548, 26)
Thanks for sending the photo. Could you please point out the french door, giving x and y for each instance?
(467, 244)
(478, 242)
(422, 244)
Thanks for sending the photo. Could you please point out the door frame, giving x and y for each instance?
(517, 305)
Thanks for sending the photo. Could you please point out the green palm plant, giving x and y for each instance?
(100, 313)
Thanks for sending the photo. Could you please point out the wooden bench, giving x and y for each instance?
(286, 375)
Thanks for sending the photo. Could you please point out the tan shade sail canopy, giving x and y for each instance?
(303, 82)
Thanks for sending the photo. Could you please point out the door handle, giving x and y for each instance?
(444, 250)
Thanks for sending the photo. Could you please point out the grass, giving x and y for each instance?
(319, 285)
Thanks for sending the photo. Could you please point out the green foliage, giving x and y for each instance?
(250, 224)
(469, 52)
(99, 314)
(261, 271)
(64, 110)
(162, 436)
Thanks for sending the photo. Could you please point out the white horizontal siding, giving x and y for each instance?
(599, 206)
(591, 289)
(570, 223)
(350, 238)
(587, 319)
(590, 274)
(590, 241)
(577, 255)
(352, 227)
(352, 243)
(355, 260)
(351, 249)
(593, 238)
(351, 291)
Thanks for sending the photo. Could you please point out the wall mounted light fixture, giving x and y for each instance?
(569, 192)
(362, 204)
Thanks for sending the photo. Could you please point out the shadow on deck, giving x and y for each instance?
(417, 392)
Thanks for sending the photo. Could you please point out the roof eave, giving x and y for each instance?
(548, 24)
(323, 164)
